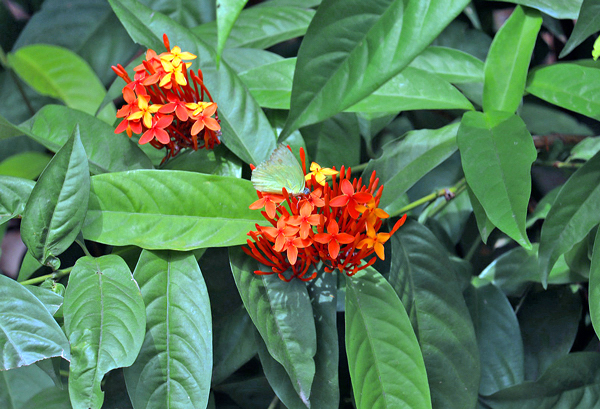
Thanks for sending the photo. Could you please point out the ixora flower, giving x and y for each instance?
(167, 104)
(336, 224)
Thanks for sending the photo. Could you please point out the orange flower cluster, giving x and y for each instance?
(165, 103)
(336, 224)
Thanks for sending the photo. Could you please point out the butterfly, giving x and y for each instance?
(281, 170)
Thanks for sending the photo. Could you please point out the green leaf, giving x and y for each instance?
(14, 193)
(107, 152)
(17, 386)
(283, 315)
(244, 59)
(549, 322)
(452, 65)
(576, 210)
(271, 84)
(543, 206)
(572, 86)
(261, 27)
(59, 73)
(588, 23)
(104, 320)
(445, 329)
(386, 365)
(508, 60)
(323, 141)
(188, 13)
(497, 152)
(571, 382)
(585, 149)
(246, 130)
(219, 161)
(352, 48)
(406, 161)
(28, 333)
(58, 203)
(51, 300)
(227, 13)
(561, 9)
(498, 338)
(544, 119)
(29, 266)
(7, 129)
(484, 225)
(175, 364)
(170, 210)
(49, 398)
(413, 89)
(27, 165)
(594, 288)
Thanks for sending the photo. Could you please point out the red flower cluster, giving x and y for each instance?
(164, 107)
(337, 225)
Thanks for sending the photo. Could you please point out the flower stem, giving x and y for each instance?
(431, 197)
(55, 276)
(558, 164)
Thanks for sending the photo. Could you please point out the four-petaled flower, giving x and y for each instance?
(305, 219)
(333, 238)
(157, 130)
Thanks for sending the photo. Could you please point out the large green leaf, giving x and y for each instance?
(14, 193)
(353, 47)
(107, 152)
(58, 202)
(283, 315)
(498, 338)
(271, 84)
(588, 23)
(497, 152)
(188, 13)
(27, 165)
(508, 60)
(261, 27)
(59, 73)
(170, 209)
(17, 386)
(454, 66)
(572, 86)
(572, 382)
(28, 333)
(227, 13)
(445, 329)
(561, 9)
(576, 210)
(386, 365)
(50, 398)
(51, 300)
(323, 141)
(406, 161)
(104, 320)
(175, 364)
(7, 129)
(246, 130)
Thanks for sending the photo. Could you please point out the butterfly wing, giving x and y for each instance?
(280, 170)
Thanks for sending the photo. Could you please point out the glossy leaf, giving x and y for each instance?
(386, 365)
(585, 149)
(246, 130)
(508, 61)
(244, 59)
(261, 27)
(170, 210)
(7, 129)
(576, 210)
(28, 333)
(107, 152)
(497, 152)
(104, 320)
(227, 13)
(367, 44)
(445, 329)
(50, 398)
(579, 89)
(452, 65)
(19, 385)
(323, 141)
(484, 224)
(271, 84)
(174, 366)
(27, 165)
(588, 23)
(406, 161)
(14, 193)
(544, 119)
(561, 9)
(219, 161)
(188, 13)
(51, 300)
(283, 315)
(58, 202)
(571, 382)
(59, 73)
(498, 338)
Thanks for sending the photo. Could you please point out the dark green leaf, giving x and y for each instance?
(571, 382)
(51, 300)
(498, 338)
(219, 161)
(579, 88)
(246, 130)
(58, 203)
(508, 60)
(28, 333)
(543, 207)
(450, 64)
(352, 48)
(104, 320)
(14, 193)
(17, 386)
(50, 398)
(406, 161)
(7, 129)
(107, 152)
(170, 210)
(561, 9)
(484, 225)
(188, 13)
(386, 365)
(283, 315)
(576, 210)
(227, 13)
(27, 165)
(59, 73)
(28, 267)
(497, 152)
(594, 289)
(175, 364)
(588, 23)
(445, 329)
(323, 141)
(544, 119)
(549, 321)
